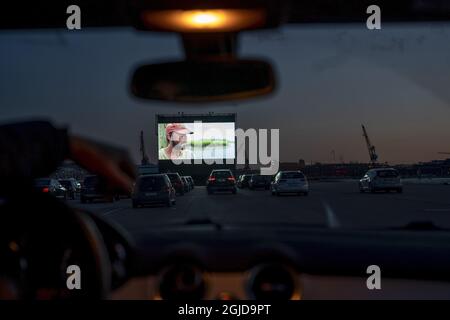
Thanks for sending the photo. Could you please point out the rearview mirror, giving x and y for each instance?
(203, 80)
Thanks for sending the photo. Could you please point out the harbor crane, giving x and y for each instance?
(371, 148)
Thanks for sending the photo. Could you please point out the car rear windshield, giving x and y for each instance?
(66, 183)
(387, 174)
(292, 175)
(173, 177)
(91, 181)
(260, 178)
(221, 174)
(151, 183)
(42, 182)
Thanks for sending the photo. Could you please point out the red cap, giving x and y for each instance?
(178, 128)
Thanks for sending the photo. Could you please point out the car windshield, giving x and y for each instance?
(173, 177)
(42, 182)
(221, 174)
(347, 100)
(292, 175)
(387, 174)
(151, 183)
(258, 178)
(66, 183)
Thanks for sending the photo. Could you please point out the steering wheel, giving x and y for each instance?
(40, 237)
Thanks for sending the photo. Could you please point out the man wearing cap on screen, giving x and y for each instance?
(176, 138)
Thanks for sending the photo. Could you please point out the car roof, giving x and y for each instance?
(39, 15)
(152, 175)
(291, 171)
(221, 170)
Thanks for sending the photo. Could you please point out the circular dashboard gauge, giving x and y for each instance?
(272, 282)
(182, 282)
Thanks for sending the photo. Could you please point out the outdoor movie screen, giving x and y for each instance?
(196, 140)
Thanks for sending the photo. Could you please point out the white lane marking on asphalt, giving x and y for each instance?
(332, 219)
(111, 211)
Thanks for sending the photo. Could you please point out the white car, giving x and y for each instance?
(381, 179)
(290, 182)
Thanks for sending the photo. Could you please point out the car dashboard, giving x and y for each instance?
(270, 263)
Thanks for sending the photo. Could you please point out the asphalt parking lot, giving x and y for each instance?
(332, 204)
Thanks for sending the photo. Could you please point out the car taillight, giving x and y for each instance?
(45, 189)
(211, 179)
(231, 179)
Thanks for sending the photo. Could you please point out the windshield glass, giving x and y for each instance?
(331, 81)
(151, 183)
(259, 178)
(387, 174)
(292, 175)
(42, 182)
(221, 174)
(174, 177)
(66, 183)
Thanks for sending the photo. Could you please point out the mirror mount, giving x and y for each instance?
(210, 46)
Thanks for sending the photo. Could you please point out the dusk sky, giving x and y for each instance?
(331, 80)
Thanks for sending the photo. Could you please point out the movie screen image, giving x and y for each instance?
(196, 140)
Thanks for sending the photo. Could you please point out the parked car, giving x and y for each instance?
(186, 183)
(153, 189)
(381, 179)
(50, 186)
(177, 183)
(290, 182)
(191, 180)
(244, 180)
(121, 194)
(259, 181)
(221, 180)
(71, 186)
(94, 188)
